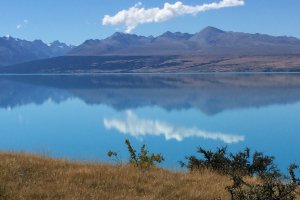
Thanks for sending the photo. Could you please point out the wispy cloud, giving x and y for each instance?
(137, 14)
(23, 24)
(138, 127)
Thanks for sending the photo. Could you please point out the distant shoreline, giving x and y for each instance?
(149, 73)
(186, 64)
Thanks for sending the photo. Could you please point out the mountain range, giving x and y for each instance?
(13, 50)
(209, 41)
(210, 50)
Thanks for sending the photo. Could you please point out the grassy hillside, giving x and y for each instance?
(24, 176)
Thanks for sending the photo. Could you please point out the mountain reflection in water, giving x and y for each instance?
(210, 94)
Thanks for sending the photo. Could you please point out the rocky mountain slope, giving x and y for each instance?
(13, 50)
(209, 41)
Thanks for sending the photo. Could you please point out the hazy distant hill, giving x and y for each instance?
(209, 41)
(13, 50)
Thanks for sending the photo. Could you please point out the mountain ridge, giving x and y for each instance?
(209, 41)
(210, 50)
(14, 50)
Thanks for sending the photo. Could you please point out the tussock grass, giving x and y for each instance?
(24, 176)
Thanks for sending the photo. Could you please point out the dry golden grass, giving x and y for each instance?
(31, 177)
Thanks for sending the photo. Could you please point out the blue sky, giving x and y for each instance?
(75, 21)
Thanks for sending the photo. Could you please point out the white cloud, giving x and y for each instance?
(137, 127)
(23, 24)
(137, 14)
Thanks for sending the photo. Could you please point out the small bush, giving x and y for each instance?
(142, 159)
(239, 163)
(269, 184)
(114, 155)
(268, 187)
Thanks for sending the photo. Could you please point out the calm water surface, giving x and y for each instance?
(82, 117)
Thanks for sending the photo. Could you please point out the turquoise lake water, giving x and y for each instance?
(81, 117)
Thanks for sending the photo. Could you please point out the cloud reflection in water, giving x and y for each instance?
(137, 127)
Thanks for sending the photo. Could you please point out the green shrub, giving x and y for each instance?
(268, 187)
(269, 184)
(114, 155)
(142, 159)
(241, 163)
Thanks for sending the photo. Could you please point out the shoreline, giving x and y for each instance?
(148, 73)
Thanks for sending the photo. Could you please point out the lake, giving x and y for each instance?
(82, 117)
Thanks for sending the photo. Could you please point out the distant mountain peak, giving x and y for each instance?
(117, 34)
(56, 42)
(38, 42)
(120, 35)
(210, 29)
(7, 36)
(14, 50)
(208, 35)
(59, 44)
(176, 35)
(167, 33)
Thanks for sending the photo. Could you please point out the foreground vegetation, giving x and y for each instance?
(255, 177)
(31, 177)
(215, 175)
